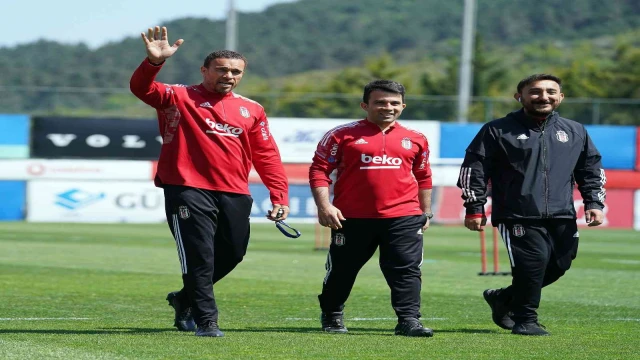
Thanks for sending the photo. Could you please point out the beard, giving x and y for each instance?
(539, 109)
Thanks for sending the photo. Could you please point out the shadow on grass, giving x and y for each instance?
(134, 331)
(300, 330)
(357, 330)
(142, 331)
(468, 331)
(313, 330)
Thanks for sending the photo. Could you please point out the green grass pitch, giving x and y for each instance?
(70, 291)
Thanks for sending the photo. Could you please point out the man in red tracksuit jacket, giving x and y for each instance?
(382, 198)
(211, 136)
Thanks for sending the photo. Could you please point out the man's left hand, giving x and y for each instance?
(594, 217)
(273, 213)
(426, 225)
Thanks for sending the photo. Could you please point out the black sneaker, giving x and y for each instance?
(333, 323)
(530, 328)
(210, 328)
(499, 310)
(183, 318)
(412, 327)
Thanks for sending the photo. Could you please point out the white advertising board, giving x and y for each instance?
(75, 169)
(134, 202)
(298, 138)
(94, 201)
(445, 175)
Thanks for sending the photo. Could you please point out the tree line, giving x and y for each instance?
(311, 58)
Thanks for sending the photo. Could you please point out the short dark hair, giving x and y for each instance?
(537, 77)
(382, 85)
(224, 54)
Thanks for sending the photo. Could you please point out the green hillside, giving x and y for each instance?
(584, 40)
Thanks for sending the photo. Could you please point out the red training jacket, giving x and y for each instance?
(379, 173)
(210, 140)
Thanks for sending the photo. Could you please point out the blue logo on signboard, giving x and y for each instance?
(74, 199)
(310, 136)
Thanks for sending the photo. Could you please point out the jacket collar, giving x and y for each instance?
(533, 123)
(375, 126)
(215, 95)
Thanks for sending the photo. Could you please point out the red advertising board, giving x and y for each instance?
(638, 148)
(618, 211)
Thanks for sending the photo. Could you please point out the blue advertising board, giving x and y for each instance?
(617, 144)
(300, 202)
(14, 137)
(13, 200)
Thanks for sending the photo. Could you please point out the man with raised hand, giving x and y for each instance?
(211, 137)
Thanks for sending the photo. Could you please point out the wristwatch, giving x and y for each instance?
(429, 215)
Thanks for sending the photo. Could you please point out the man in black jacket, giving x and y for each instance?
(533, 159)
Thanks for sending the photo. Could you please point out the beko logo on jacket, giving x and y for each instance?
(380, 162)
(222, 129)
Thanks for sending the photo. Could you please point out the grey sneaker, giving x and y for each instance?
(183, 319)
(499, 310)
(333, 323)
(531, 328)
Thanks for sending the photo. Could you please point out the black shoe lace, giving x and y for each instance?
(185, 314)
(332, 321)
(412, 324)
(211, 324)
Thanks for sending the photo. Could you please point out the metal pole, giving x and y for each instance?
(595, 115)
(466, 60)
(232, 26)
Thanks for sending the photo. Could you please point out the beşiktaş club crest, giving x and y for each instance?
(244, 112)
(518, 230)
(406, 143)
(338, 239)
(562, 136)
(183, 211)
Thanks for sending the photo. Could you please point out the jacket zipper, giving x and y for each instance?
(384, 143)
(546, 175)
(224, 112)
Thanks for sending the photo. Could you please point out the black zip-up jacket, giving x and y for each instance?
(532, 167)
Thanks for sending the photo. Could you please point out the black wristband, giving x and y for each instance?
(154, 64)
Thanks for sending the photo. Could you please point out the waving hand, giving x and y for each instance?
(157, 43)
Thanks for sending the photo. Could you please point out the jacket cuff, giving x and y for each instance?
(593, 205)
(474, 211)
(426, 183)
(316, 183)
(280, 199)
